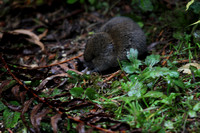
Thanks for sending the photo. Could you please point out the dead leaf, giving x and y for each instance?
(186, 68)
(43, 83)
(80, 128)
(33, 38)
(15, 91)
(34, 111)
(54, 122)
(43, 34)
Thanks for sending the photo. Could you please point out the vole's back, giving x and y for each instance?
(112, 42)
(119, 24)
(126, 34)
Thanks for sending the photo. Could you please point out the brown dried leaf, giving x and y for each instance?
(6, 84)
(72, 102)
(43, 83)
(22, 96)
(56, 70)
(79, 106)
(64, 67)
(15, 91)
(54, 121)
(80, 128)
(40, 115)
(120, 127)
(186, 68)
(33, 116)
(24, 109)
(26, 105)
(33, 38)
(12, 107)
(43, 34)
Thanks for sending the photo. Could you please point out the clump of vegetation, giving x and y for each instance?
(156, 98)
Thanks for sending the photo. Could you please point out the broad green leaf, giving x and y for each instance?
(152, 60)
(155, 94)
(76, 92)
(168, 100)
(169, 124)
(156, 72)
(132, 54)
(133, 77)
(131, 67)
(163, 71)
(134, 88)
(197, 107)
(192, 113)
(91, 93)
(10, 118)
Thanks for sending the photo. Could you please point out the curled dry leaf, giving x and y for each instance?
(80, 128)
(43, 83)
(15, 91)
(39, 116)
(33, 38)
(54, 122)
(186, 68)
(34, 111)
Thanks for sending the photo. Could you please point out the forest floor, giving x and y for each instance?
(43, 86)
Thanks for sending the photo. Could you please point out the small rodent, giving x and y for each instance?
(111, 43)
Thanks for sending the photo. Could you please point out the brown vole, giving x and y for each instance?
(111, 43)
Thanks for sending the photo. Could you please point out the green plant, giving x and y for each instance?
(144, 5)
(185, 46)
(150, 96)
(10, 119)
(150, 75)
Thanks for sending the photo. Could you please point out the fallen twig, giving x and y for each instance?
(112, 75)
(164, 62)
(55, 63)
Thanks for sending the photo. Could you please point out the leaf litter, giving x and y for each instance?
(42, 84)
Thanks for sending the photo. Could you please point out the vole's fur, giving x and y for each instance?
(111, 43)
